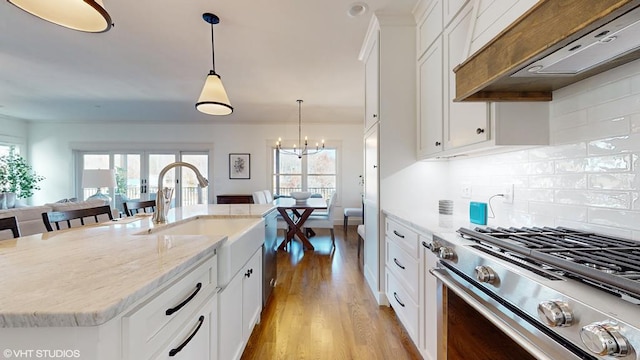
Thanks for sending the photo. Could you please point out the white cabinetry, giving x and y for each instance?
(371, 66)
(389, 55)
(470, 126)
(402, 273)
(163, 320)
(429, 306)
(239, 308)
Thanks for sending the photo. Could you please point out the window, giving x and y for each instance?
(315, 173)
(6, 148)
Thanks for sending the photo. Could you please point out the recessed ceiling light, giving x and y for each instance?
(357, 9)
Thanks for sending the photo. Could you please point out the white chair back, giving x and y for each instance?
(258, 197)
(268, 196)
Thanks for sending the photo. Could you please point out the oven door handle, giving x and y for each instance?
(443, 276)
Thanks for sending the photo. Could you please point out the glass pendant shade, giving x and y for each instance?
(81, 15)
(213, 99)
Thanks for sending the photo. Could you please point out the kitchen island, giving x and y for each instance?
(89, 289)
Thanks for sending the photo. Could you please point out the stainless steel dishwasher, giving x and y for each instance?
(269, 256)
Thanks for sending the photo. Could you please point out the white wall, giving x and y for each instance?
(588, 178)
(52, 144)
(14, 131)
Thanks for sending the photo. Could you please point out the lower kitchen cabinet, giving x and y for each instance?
(196, 340)
(239, 308)
(402, 274)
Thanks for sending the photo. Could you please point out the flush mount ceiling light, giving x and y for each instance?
(81, 15)
(357, 9)
(213, 99)
(300, 151)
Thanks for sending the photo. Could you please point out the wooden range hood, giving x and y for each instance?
(548, 26)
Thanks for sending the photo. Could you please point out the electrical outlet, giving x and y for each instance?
(465, 191)
(508, 194)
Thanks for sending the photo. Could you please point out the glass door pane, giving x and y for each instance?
(129, 184)
(190, 192)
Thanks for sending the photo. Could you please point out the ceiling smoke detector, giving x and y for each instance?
(357, 9)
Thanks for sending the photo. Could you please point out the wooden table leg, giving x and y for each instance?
(296, 228)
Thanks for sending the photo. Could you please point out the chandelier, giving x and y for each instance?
(300, 151)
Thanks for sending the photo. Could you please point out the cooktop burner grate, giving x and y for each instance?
(607, 261)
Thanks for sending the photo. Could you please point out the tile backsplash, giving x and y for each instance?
(587, 179)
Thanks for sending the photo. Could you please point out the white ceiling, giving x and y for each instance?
(152, 65)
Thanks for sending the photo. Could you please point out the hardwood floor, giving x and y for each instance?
(322, 308)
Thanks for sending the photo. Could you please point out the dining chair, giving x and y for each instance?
(360, 238)
(325, 220)
(259, 198)
(10, 223)
(57, 217)
(133, 207)
(268, 196)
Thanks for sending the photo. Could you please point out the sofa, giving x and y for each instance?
(30, 217)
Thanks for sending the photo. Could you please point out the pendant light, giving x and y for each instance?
(81, 15)
(213, 99)
(300, 151)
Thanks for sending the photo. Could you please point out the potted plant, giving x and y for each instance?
(17, 177)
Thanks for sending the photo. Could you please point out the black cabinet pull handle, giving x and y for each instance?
(175, 351)
(424, 243)
(248, 273)
(438, 143)
(375, 115)
(397, 263)
(398, 234)
(179, 306)
(398, 300)
(479, 131)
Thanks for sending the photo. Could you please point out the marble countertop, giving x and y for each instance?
(87, 276)
(430, 222)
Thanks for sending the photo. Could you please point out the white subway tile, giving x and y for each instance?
(614, 163)
(615, 145)
(558, 151)
(614, 181)
(609, 199)
(541, 182)
(634, 123)
(570, 181)
(543, 195)
(569, 212)
(615, 218)
(607, 230)
(541, 167)
(570, 165)
(568, 121)
(635, 200)
(614, 126)
(614, 109)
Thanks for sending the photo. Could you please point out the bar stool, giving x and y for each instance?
(353, 212)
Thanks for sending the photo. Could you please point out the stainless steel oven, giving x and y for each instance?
(537, 293)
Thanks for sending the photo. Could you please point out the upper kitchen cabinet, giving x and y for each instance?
(387, 51)
(447, 128)
(371, 79)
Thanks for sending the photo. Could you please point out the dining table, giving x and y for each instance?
(301, 210)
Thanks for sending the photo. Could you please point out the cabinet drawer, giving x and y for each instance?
(405, 268)
(403, 237)
(152, 323)
(405, 308)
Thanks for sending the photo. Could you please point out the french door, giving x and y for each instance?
(137, 175)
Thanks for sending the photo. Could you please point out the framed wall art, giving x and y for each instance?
(239, 166)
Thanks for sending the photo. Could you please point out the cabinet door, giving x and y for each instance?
(430, 311)
(371, 166)
(372, 88)
(230, 314)
(431, 102)
(251, 294)
(451, 8)
(466, 123)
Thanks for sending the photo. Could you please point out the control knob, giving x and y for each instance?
(604, 339)
(446, 253)
(555, 313)
(485, 274)
(435, 246)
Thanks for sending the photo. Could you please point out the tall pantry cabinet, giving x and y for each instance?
(388, 53)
